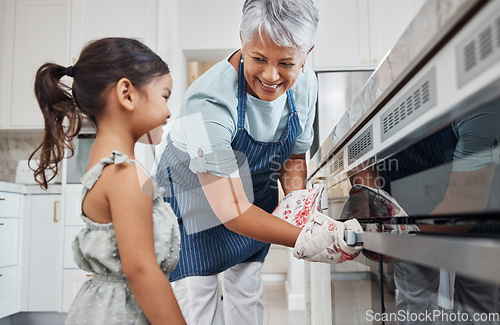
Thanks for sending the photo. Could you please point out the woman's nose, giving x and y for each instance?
(270, 74)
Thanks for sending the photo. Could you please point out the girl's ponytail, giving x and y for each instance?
(101, 65)
(62, 118)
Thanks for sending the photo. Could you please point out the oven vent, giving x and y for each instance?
(485, 43)
(470, 56)
(411, 104)
(361, 145)
(478, 51)
(337, 165)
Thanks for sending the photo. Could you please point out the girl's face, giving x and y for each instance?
(270, 70)
(154, 108)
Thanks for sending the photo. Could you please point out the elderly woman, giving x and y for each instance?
(244, 124)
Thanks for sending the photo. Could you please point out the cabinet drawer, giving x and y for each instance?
(10, 204)
(9, 237)
(9, 291)
(72, 281)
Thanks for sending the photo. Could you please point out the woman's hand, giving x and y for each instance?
(323, 240)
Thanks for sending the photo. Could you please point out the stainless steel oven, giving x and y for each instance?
(430, 143)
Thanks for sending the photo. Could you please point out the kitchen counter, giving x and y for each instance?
(29, 189)
(36, 189)
(434, 22)
(12, 187)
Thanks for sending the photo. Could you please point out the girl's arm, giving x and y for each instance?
(230, 204)
(131, 210)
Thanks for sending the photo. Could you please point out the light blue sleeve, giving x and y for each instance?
(207, 123)
(305, 93)
(206, 135)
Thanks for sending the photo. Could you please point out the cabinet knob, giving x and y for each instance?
(1, 224)
(365, 61)
(375, 60)
(2, 199)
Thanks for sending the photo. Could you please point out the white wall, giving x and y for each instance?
(209, 25)
(196, 30)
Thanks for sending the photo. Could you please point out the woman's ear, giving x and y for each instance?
(305, 58)
(125, 94)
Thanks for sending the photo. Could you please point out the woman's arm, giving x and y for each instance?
(230, 204)
(293, 173)
(131, 210)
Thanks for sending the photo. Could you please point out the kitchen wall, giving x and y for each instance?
(205, 31)
(14, 147)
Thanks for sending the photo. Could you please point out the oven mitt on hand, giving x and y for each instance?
(366, 202)
(297, 206)
(322, 240)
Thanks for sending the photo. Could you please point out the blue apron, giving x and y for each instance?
(217, 248)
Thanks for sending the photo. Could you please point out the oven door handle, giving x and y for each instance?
(353, 237)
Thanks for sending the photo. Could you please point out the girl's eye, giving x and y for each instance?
(166, 97)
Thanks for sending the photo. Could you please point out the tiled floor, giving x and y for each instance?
(275, 306)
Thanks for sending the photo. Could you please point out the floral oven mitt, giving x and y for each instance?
(322, 238)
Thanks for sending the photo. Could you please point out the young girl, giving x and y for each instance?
(131, 240)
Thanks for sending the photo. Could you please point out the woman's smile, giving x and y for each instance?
(269, 87)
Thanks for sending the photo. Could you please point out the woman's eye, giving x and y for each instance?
(259, 59)
(287, 65)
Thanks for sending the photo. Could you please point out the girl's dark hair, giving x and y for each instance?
(101, 65)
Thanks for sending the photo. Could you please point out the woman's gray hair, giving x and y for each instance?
(288, 23)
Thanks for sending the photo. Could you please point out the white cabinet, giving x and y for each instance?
(51, 277)
(73, 205)
(342, 36)
(44, 241)
(10, 204)
(388, 21)
(73, 277)
(37, 34)
(93, 19)
(9, 291)
(10, 213)
(9, 238)
(356, 34)
(37, 31)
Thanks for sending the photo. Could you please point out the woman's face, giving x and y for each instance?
(270, 70)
